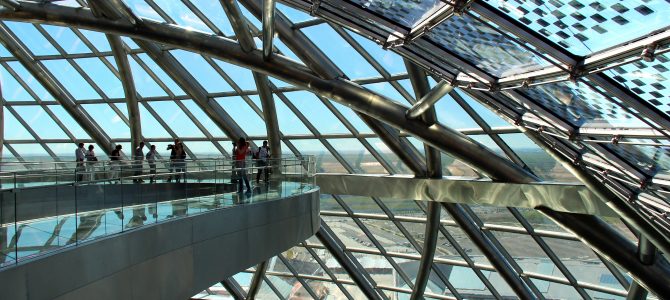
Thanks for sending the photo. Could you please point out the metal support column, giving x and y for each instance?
(234, 288)
(45, 78)
(245, 39)
(646, 253)
(427, 101)
(434, 170)
(268, 27)
(123, 66)
(337, 249)
(255, 284)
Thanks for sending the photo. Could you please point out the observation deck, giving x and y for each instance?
(107, 231)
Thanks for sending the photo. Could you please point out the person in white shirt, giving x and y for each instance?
(151, 159)
(262, 154)
(90, 162)
(80, 155)
(138, 158)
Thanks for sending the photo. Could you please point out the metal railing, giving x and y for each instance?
(47, 209)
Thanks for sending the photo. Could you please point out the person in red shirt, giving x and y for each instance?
(240, 152)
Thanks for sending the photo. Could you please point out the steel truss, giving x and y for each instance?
(338, 90)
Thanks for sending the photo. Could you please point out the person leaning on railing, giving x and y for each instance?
(240, 152)
(115, 163)
(262, 154)
(80, 155)
(138, 158)
(151, 160)
(91, 159)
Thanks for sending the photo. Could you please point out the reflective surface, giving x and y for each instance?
(40, 215)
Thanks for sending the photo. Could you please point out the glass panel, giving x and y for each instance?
(18, 132)
(202, 71)
(151, 128)
(357, 156)
(203, 149)
(244, 116)
(102, 76)
(581, 105)
(144, 84)
(288, 121)
(204, 119)
(214, 12)
(40, 122)
(142, 9)
(108, 120)
(527, 254)
(391, 62)
(328, 203)
(352, 117)
(98, 39)
(389, 156)
(349, 232)
(182, 15)
(340, 52)
(537, 159)
(588, 26)
(28, 78)
(68, 122)
(66, 39)
(242, 77)
(11, 89)
(451, 114)
(649, 80)
(175, 117)
(33, 152)
(405, 13)
(403, 207)
(167, 80)
(311, 106)
(293, 14)
(325, 161)
(484, 47)
(489, 117)
(361, 204)
(71, 79)
(32, 38)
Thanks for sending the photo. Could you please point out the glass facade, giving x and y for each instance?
(573, 74)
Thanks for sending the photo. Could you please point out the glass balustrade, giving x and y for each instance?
(49, 206)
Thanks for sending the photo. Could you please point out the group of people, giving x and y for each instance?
(86, 162)
(241, 149)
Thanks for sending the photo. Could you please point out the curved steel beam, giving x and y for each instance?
(268, 27)
(128, 88)
(433, 170)
(247, 43)
(654, 277)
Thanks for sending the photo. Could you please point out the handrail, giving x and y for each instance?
(77, 211)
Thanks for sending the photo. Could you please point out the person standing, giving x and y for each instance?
(240, 152)
(262, 154)
(180, 161)
(115, 163)
(138, 158)
(90, 162)
(80, 156)
(151, 159)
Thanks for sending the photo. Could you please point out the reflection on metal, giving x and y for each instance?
(426, 102)
(606, 196)
(262, 83)
(347, 261)
(268, 27)
(239, 25)
(234, 288)
(574, 198)
(40, 73)
(646, 254)
(654, 277)
(11, 4)
(433, 170)
(128, 88)
(255, 284)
